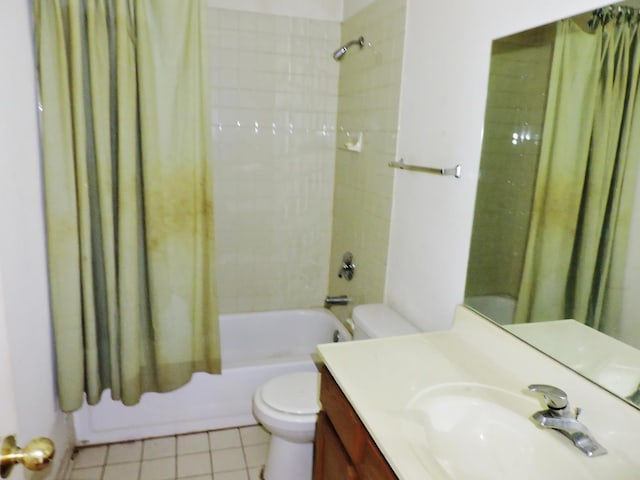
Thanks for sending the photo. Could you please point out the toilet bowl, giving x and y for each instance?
(288, 406)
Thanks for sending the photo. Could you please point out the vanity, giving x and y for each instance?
(446, 405)
(343, 447)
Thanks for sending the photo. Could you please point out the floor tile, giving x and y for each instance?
(229, 454)
(256, 455)
(227, 460)
(158, 469)
(90, 457)
(194, 464)
(235, 475)
(254, 435)
(159, 448)
(124, 452)
(193, 443)
(220, 439)
(122, 471)
(92, 473)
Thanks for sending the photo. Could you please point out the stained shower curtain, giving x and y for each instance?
(587, 174)
(128, 193)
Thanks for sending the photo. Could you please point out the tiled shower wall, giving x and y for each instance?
(368, 104)
(516, 102)
(275, 94)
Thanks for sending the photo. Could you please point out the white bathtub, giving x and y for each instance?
(499, 308)
(255, 347)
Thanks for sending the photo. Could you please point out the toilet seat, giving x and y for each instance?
(293, 394)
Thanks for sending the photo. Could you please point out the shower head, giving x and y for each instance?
(339, 53)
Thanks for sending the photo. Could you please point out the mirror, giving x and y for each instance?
(555, 247)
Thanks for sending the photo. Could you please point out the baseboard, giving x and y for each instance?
(66, 465)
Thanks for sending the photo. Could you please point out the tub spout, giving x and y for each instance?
(330, 301)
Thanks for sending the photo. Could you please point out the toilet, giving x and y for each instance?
(287, 406)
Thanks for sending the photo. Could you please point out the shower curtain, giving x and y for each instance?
(576, 249)
(128, 192)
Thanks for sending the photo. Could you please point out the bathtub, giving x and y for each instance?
(255, 347)
(499, 308)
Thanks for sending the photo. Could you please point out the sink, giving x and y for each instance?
(480, 432)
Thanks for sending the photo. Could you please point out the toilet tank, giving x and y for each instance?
(378, 320)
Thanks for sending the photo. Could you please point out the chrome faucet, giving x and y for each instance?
(559, 416)
(331, 301)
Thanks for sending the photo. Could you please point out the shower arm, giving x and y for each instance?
(339, 53)
(359, 41)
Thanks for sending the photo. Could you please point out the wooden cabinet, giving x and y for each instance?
(331, 460)
(344, 450)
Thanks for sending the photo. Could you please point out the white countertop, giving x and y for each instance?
(381, 376)
(608, 361)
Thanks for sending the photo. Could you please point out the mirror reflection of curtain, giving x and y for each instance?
(577, 243)
(128, 193)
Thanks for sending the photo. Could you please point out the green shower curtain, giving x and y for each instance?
(128, 192)
(576, 249)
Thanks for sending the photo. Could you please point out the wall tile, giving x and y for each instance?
(274, 104)
(513, 126)
(369, 86)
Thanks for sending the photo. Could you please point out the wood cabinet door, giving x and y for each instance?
(331, 460)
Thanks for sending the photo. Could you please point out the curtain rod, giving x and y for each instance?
(618, 13)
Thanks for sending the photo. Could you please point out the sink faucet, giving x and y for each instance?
(559, 416)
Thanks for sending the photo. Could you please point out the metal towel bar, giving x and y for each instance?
(455, 171)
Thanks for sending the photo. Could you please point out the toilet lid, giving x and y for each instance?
(295, 393)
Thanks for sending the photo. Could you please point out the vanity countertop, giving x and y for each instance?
(382, 378)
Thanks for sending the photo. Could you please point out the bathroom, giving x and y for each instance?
(444, 80)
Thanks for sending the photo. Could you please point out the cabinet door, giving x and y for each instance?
(373, 465)
(331, 460)
(343, 417)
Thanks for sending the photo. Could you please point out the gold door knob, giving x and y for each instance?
(35, 456)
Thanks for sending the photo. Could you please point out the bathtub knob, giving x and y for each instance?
(348, 269)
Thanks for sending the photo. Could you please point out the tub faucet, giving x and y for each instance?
(330, 301)
(559, 416)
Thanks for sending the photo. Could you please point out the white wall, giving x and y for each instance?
(445, 71)
(22, 243)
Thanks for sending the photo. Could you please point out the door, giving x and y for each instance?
(8, 421)
(11, 13)
(28, 406)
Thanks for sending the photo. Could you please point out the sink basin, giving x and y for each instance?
(479, 432)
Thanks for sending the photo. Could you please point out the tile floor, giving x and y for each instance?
(231, 454)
